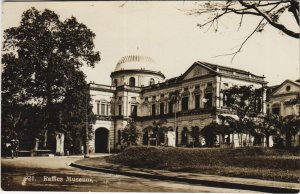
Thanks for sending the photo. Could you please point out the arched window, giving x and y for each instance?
(196, 134)
(151, 82)
(185, 103)
(276, 109)
(132, 82)
(116, 82)
(153, 109)
(162, 108)
(184, 136)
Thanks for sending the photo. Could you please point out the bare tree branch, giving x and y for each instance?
(294, 8)
(241, 21)
(269, 11)
(241, 46)
(270, 21)
(256, 8)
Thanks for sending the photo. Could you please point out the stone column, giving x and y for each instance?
(60, 137)
(36, 144)
(282, 113)
(264, 101)
(217, 93)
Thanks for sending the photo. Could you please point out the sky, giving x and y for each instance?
(165, 32)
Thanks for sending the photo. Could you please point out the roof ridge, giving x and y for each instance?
(230, 68)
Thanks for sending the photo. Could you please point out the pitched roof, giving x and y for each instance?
(275, 89)
(225, 69)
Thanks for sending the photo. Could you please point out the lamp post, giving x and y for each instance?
(86, 147)
(175, 98)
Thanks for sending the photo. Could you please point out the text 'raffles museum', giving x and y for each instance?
(141, 92)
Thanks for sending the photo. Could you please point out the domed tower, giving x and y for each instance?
(136, 71)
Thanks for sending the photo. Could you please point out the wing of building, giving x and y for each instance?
(282, 99)
(140, 91)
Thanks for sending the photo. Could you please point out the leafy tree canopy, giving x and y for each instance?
(43, 55)
(130, 133)
(245, 100)
(41, 60)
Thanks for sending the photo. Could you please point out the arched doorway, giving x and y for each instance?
(101, 140)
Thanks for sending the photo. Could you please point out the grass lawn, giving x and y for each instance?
(261, 163)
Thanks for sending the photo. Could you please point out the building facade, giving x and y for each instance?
(281, 96)
(284, 100)
(141, 92)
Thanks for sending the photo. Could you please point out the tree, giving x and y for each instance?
(41, 59)
(159, 131)
(78, 115)
(294, 101)
(268, 125)
(246, 102)
(195, 133)
(223, 128)
(130, 134)
(209, 132)
(290, 126)
(269, 12)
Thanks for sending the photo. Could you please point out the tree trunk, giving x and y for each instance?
(288, 140)
(240, 139)
(45, 139)
(267, 141)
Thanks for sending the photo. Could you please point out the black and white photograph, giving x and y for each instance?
(150, 96)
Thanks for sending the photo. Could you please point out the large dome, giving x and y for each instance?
(136, 62)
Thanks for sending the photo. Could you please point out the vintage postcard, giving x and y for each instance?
(150, 96)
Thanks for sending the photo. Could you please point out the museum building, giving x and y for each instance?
(139, 91)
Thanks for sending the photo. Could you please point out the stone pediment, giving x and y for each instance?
(196, 70)
(287, 87)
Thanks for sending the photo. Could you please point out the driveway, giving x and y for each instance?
(55, 174)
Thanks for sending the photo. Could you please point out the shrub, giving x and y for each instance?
(253, 162)
(166, 157)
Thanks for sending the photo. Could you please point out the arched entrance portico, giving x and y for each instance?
(101, 140)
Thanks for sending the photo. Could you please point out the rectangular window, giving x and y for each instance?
(268, 111)
(185, 104)
(98, 108)
(259, 105)
(120, 109)
(153, 109)
(170, 107)
(161, 108)
(208, 98)
(102, 109)
(226, 100)
(133, 110)
(197, 101)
